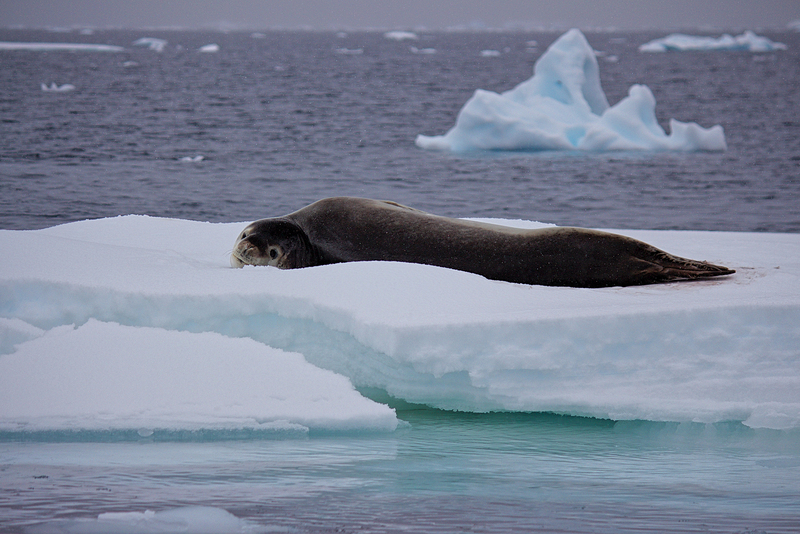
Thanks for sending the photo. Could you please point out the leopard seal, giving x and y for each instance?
(344, 229)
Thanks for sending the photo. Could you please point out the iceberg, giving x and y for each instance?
(139, 323)
(59, 47)
(209, 48)
(153, 43)
(563, 107)
(55, 88)
(399, 35)
(748, 41)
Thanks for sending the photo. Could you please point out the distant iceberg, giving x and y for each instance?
(563, 107)
(424, 51)
(210, 48)
(400, 35)
(152, 43)
(55, 88)
(748, 41)
(59, 47)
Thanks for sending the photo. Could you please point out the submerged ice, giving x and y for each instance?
(563, 107)
(139, 323)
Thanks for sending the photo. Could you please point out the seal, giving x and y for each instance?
(345, 229)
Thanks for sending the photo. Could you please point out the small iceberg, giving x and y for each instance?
(563, 107)
(423, 51)
(59, 47)
(400, 36)
(490, 53)
(349, 51)
(210, 48)
(748, 42)
(192, 159)
(55, 88)
(152, 43)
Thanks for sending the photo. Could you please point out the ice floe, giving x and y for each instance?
(747, 41)
(563, 107)
(399, 35)
(153, 43)
(139, 322)
(210, 48)
(55, 88)
(59, 47)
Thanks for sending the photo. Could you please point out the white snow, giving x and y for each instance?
(747, 41)
(153, 43)
(139, 322)
(563, 107)
(59, 47)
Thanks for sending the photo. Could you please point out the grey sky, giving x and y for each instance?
(403, 14)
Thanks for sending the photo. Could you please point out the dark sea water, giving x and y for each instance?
(284, 120)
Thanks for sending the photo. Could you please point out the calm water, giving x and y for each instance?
(446, 472)
(285, 120)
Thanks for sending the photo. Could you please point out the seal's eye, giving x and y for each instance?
(273, 253)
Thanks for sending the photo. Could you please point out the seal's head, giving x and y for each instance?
(277, 242)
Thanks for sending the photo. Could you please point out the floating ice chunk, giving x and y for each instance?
(563, 107)
(192, 159)
(55, 88)
(153, 43)
(722, 350)
(424, 51)
(195, 519)
(349, 51)
(400, 35)
(130, 64)
(210, 48)
(490, 53)
(258, 35)
(59, 47)
(748, 41)
(104, 376)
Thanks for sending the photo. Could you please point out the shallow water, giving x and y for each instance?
(444, 472)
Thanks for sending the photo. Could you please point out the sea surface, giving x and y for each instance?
(286, 118)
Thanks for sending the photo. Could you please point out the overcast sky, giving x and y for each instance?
(402, 14)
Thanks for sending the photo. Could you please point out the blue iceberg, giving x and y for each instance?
(563, 107)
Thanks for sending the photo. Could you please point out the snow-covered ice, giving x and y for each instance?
(209, 48)
(747, 41)
(139, 322)
(563, 107)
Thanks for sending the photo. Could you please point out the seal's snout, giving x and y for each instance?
(236, 262)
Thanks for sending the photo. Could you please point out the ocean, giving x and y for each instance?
(272, 122)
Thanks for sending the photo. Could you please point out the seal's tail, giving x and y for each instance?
(668, 268)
